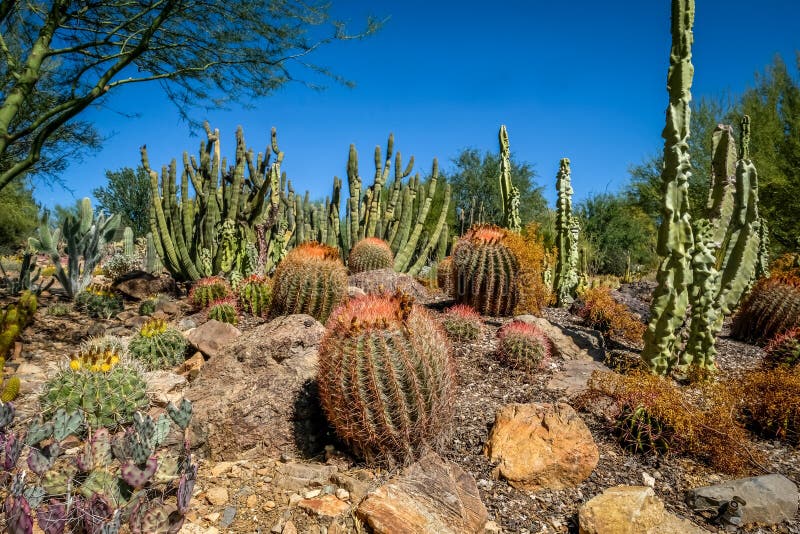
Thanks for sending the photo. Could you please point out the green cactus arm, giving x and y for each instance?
(434, 239)
(723, 183)
(406, 253)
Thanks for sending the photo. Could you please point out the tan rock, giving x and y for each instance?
(222, 468)
(325, 506)
(252, 501)
(289, 528)
(165, 386)
(191, 367)
(213, 336)
(431, 495)
(217, 495)
(563, 344)
(574, 378)
(541, 446)
(631, 510)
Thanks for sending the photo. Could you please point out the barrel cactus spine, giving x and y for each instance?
(157, 346)
(462, 323)
(311, 279)
(523, 346)
(369, 254)
(445, 279)
(207, 290)
(783, 350)
(386, 378)
(255, 294)
(486, 271)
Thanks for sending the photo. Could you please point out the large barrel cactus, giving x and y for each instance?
(772, 308)
(386, 378)
(369, 254)
(311, 279)
(486, 271)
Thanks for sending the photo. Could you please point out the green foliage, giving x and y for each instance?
(158, 346)
(523, 346)
(18, 216)
(224, 310)
(98, 303)
(386, 344)
(128, 194)
(255, 295)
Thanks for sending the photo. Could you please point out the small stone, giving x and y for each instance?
(647, 480)
(311, 494)
(217, 496)
(227, 516)
(325, 506)
(269, 505)
(213, 517)
(289, 528)
(186, 324)
(277, 528)
(342, 494)
(294, 498)
(252, 501)
(221, 468)
(491, 526)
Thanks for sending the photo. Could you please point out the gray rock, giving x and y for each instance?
(296, 477)
(386, 280)
(573, 379)
(563, 344)
(768, 499)
(228, 516)
(186, 323)
(212, 337)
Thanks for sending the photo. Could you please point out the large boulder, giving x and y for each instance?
(386, 280)
(431, 495)
(767, 500)
(212, 337)
(256, 397)
(541, 446)
(631, 510)
(140, 285)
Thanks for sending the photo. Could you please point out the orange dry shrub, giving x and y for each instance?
(651, 414)
(529, 249)
(770, 402)
(602, 312)
(786, 264)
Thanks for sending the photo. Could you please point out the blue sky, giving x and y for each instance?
(581, 79)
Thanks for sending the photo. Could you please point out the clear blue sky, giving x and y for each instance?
(581, 79)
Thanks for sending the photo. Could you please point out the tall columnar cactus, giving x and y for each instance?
(675, 240)
(127, 242)
(567, 229)
(369, 254)
(152, 261)
(486, 271)
(386, 378)
(84, 237)
(311, 279)
(509, 193)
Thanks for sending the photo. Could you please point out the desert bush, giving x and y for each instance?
(523, 346)
(652, 415)
(386, 378)
(772, 308)
(600, 311)
(462, 323)
(119, 265)
(770, 402)
(534, 293)
(207, 290)
(787, 264)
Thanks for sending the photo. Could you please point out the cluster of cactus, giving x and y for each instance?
(120, 264)
(523, 346)
(567, 230)
(207, 290)
(311, 279)
(386, 378)
(129, 478)
(10, 388)
(445, 279)
(783, 350)
(772, 308)
(98, 382)
(509, 193)
(58, 309)
(85, 237)
(224, 310)
(369, 254)
(99, 302)
(158, 346)
(27, 277)
(486, 271)
(255, 295)
(640, 432)
(462, 323)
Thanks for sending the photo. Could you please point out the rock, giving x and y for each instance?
(191, 367)
(563, 344)
(325, 506)
(127, 315)
(228, 515)
(217, 495)
(296, 477)
(574, 377)
(430, 495)
(289, 528)
(769, 499)
(96, 330)
(135, 322)
(386, 280)
(631, 510)
(169, 307)
(541, 446)
(252, 501)
(213, 336)
(31, 378)
(186, 324)
(139, 285)
(342, 494)
(256, 395)
(222, 468)
(638, 307)
(355, 292)
(165, 386)
(357, 489)
(648, 480)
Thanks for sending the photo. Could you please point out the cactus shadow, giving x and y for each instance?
(310, 427)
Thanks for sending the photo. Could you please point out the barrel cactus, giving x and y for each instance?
(462, 323)
(311, 279)
(108, 390)
(158, 346)
(369, 254)
(772, 308)
(386, 378)
(207, 290)
(444, 276)
(255, 294)
(99, 302)
(486, 271)
(784, 350)
(523, 346)
(224, 310)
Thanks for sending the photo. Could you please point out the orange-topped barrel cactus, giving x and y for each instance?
(487, 271)
(311, 279)
(369, 254)
(386, 378)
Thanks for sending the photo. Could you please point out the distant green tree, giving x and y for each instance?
(127, 194)
(476, 188)
(617, 230)
(19, 216)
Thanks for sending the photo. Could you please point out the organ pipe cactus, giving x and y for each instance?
(386, 378)
(127, 242)
(567, 230)
(509, 193)
(675, 240)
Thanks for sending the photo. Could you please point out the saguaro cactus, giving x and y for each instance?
(127, 242)
(508, 191)
(675, 239)
(567, 229)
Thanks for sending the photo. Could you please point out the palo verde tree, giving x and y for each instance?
(73, 54)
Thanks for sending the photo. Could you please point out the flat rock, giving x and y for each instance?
(430, 495)
(541, 446)
(31, 378)
(631, 510)
(191, 367)
(325, 506)
(256, 395)
(574, 377)
(212, 336)
(165, 386)
(296, 476)
(563, 344)
(769, 499)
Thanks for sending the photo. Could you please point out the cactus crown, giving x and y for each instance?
(153, 327)
(373, 311)
(314, 250)
(94, 360)
(486, 234)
